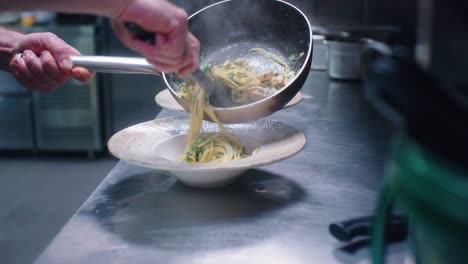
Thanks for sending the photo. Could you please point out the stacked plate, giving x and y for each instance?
(166, 101)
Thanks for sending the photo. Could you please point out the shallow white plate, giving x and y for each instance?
(165, 100)
(160, 143)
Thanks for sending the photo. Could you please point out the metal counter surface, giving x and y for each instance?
(277, 213)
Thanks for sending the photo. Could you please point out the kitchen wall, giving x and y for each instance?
(347, 13)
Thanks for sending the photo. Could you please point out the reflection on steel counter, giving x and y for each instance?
(275, 214)
(148, 208)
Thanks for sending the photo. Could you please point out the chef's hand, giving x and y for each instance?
(45, 63)
(175, 50)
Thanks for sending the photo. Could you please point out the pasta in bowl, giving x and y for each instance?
(160, 143)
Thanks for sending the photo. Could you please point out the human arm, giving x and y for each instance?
(176, 49)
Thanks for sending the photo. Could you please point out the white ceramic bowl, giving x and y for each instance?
(165, 100)
(160, 143)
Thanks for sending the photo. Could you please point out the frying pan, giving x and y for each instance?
(228, 30)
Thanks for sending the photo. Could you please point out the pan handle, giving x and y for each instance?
(121, 64)
(110, 64)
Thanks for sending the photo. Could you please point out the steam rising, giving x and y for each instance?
(229, 29)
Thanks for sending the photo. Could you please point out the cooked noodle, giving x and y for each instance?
(246, 83)
(201, 147)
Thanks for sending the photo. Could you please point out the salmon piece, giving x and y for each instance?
(278, 80)
(265, 76)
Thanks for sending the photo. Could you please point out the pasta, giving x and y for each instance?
(218, 147)
(247, 85)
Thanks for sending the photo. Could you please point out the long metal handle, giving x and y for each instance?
(133, 65)
(115, 64)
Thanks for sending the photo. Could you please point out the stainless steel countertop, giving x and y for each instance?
(277, 213)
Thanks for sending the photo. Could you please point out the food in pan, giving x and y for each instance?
(247, 85)
(203, 147)
(246, 82)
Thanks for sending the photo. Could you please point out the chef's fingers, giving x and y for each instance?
(167, 61)
(187, 70)
(44, 68)
(33, 63)
(191, 56)
(19, 69)
(82, 74)
(168, 22)
(59, 49)
(38, 42)
(51, 68)
(21, 72)
(189, 62)
(61, 52)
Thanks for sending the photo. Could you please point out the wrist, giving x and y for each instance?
(119, 9)
(8, 44)
(109, 8)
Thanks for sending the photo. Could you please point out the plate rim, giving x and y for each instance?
(206, 167)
